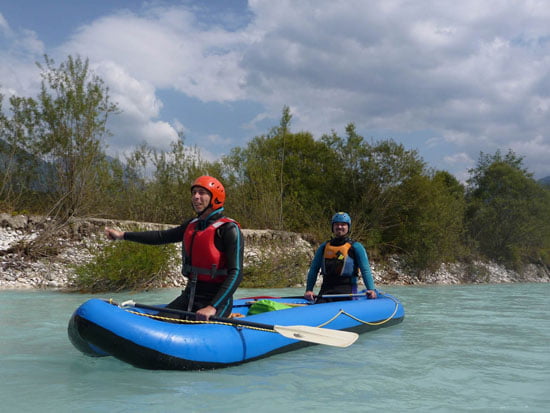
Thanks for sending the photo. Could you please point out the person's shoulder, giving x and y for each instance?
(226, 220)
(228, 224)
(358, 246)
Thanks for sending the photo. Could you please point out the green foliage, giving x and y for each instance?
(120, 266)
(276, 267)
(153, 185)
(508, 212)
(431, 226)
(19, 169)
(370, 176)
(59, 137)
(52, 160)
(281, 180)
(73, 108)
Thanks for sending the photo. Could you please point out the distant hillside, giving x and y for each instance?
(545, 181)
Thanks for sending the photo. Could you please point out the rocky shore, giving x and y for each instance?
(74, 242)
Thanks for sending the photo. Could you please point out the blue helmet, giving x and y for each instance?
(341, 217)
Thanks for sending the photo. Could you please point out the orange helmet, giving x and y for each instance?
(215, 188)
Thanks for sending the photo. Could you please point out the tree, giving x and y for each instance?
(431, 214)
(174, 172)
(508, 213)
(368, 176)
(19, 168)
(282, 180)
(73, 109)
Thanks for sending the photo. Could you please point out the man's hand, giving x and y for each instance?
(205, 313)
(309, 296)
(113, 234)
(371, 294)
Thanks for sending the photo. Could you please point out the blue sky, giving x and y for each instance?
(449, 79)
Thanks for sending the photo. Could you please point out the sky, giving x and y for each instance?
(449, 79)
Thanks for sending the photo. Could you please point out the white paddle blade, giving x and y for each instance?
(318, 335)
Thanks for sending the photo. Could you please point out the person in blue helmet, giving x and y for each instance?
(339, 260)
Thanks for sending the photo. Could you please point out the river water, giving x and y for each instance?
(460, 348)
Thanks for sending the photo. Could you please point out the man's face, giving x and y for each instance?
(200, 199)
(340, 229)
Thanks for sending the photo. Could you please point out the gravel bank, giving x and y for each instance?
(75, 242)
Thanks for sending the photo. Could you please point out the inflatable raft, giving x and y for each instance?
(135, 334)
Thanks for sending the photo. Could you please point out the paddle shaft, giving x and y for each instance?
(311, 334)
(212, 318)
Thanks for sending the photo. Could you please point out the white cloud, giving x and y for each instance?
(19, 51)
(162, 48)
(216, 139)
(460, 162)
(167, 48)
(462, 158)
(468, 70)
(258, 118)
(139, 109)
(473, 73)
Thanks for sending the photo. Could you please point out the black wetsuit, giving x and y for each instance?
(228, 240)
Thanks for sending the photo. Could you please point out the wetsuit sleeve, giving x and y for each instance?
(364, 265)
(157, 237)
(315, 267)
(232, 245)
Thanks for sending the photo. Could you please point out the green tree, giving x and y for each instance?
(283, 180)
(73, 107)
(369, 175)
(154, 184)
(19, 168)
(508, 213)
(431, 225)
(59, 136)
(173, 173)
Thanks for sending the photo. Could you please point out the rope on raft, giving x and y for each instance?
(181, 321)
(363, 321)
(341, 312)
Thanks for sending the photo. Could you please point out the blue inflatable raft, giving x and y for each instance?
(135, 334)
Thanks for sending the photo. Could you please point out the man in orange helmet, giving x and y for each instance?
(212, 251)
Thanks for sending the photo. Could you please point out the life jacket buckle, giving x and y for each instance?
(213, 271)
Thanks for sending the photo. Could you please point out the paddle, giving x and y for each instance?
(310, 334)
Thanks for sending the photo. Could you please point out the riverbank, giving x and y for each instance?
(73, 245)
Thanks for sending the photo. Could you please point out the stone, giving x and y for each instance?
(17, 272)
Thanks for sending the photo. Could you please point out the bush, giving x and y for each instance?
(275, 266)
(120, 266)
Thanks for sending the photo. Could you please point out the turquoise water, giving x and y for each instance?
(462, 348)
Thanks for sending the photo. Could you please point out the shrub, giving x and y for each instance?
(120, 266)
(274, 266)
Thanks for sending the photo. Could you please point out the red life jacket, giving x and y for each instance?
(201, 255)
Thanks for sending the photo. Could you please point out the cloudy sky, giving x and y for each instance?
(450, 79)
